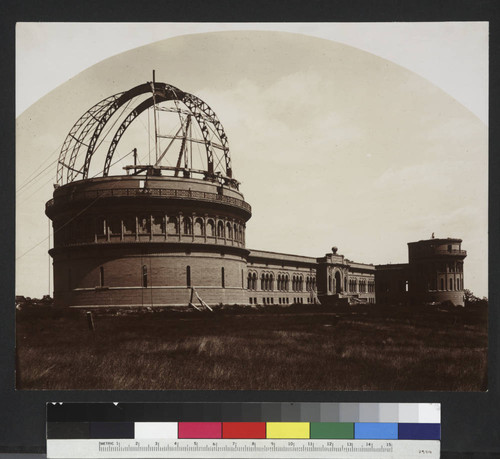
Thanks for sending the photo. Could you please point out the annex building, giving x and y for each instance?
(163, 223)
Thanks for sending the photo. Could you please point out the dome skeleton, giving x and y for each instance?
(89, 132)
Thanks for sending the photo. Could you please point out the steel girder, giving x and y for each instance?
(123, 127)
(98, 116)
(76, 138)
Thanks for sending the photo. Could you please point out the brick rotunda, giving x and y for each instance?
(146, 211)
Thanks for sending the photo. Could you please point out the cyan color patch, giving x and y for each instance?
(376, 431)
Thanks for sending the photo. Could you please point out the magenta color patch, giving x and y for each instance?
(200, 430)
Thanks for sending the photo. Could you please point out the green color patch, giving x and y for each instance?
(343, 430)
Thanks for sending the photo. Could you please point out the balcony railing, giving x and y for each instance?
(150, 193)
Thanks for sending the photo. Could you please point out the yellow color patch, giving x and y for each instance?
(287, 430)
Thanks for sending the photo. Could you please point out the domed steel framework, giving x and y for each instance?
(97, 125)
(169, 228)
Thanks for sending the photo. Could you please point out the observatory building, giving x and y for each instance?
(434, 274)
(147, 212)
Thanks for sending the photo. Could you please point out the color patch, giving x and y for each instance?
(243, 430)
(310, 412)
(408, 412)
(419, 431)
(111, 430)
(330, 412)
(429, 413)
(340, 430)
(388, 412)
(68, 430)
(200, 430)
(287, 429)
(349, 412)
(156, 430)
(375, 431)
(368, 412)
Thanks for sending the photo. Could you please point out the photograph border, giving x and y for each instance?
(468, 419)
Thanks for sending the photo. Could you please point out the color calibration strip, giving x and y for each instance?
(203, 430)
(245, 430)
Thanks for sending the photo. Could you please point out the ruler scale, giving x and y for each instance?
(287, 430)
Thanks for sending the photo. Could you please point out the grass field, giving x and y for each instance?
(292, 348)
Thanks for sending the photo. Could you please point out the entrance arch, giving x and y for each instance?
(338, 283)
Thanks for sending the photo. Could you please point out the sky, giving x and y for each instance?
(360, 136)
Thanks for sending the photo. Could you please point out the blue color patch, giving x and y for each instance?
(376, 430)
(409, 431)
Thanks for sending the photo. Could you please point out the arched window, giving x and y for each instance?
(129, 225)
(220, 229)
(188, 276)
(172, 225)
(210, 228)
(144, 276)
(249, 281)
(158, 224)
(271, 282)
(236, 235)
(188, 226)
(114, 226)
(451, 284)
(287, 282)
(199, 227)
(254, 278)
(262, 282)
(330, 283)
(442, 284)
(229, 230)
(144, 224)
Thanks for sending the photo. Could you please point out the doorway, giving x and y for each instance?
(338, 283)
